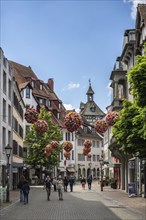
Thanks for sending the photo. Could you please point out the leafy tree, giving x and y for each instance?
(129, 130)
(137, 80)
(37, 143)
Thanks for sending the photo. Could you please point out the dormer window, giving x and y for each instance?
(33, 84)
(41, 87)
(60, 106)
(92, 109)
(27, 92)
(58, 115)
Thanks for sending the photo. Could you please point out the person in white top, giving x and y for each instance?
(60, 187)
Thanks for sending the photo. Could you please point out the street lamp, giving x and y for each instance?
(101, 164)
(90, 165)
(8, 150)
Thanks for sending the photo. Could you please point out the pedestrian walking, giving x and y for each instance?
(54, 183)
(71, 182)
(65, 183)
(60, 187)
(47, 185)
(89, 181)
(83, 182)
(25, 189)
(20, 184)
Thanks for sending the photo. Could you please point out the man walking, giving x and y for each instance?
(48, 187)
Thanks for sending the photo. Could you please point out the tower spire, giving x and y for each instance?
(90, 92)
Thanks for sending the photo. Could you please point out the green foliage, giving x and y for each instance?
(130, 129)
(137, 79)
(37, 143)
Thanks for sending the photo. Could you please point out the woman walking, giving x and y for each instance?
(83, 182)
(20, 184)
(60, 187)
(25, 189)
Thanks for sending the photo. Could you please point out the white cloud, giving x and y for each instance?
(134, 6)
(71, 86)
(70, 107)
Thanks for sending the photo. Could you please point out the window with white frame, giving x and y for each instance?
(67, 136)
(80, 142)
(72, 154)
(4, 138)
(41, 87)
(4, 110)
(93, 143)
(33, 84)
(98, 157)
(81, 157)
(4, 82)
(94, 157)
(9, 115)
(27, 92)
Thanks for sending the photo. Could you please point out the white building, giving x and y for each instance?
(6, 78)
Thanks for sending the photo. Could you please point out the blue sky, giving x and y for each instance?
(69, 41)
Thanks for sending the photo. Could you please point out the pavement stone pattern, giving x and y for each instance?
(77, 205)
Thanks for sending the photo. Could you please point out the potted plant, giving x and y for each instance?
(113, 183)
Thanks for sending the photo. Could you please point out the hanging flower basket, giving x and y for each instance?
(41, 126)
(86, 151)
(101, 126)
(111, 117)
(87, 143)
(54, 144)
(67, 145)
(48, 150)
(66, 154)
(31, 115)
(73, 121)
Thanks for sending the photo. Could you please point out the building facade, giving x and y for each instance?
(6, 99)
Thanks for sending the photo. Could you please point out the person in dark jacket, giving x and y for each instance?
(25, 189)
(71, 182)
(89, 181)
(20, 184)
(65, 183)
(83, 182)
(48, 184)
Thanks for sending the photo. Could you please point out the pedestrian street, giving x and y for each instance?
(77, 205)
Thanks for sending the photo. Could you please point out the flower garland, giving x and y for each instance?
(41, 126)
(66, 154)
(73, 121)
(31, 115)
(67, 145)
(87, 147)
(54, 144)
(111, 117)
(101, 126)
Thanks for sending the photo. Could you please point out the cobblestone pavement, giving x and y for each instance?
(78, 205)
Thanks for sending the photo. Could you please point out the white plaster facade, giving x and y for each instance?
(6, 78)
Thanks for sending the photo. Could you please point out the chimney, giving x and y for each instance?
(51, 84)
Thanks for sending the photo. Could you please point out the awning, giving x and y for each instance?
(116, 164)
(71, 170)
(17, 165)
(61, 169)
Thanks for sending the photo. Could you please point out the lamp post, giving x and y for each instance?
(78, 171)
(90, 165)
(8, 150)
(101, 164)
